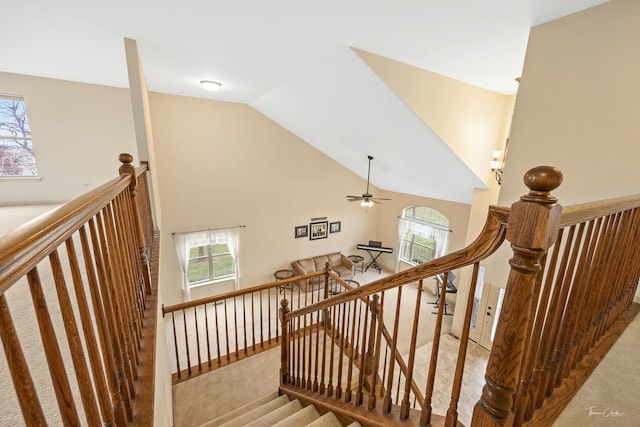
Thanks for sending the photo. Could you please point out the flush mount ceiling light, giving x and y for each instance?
(210, 85)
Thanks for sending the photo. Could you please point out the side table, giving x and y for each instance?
(282, 275)
(357, 259)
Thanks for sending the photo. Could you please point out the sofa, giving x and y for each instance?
(338, 262)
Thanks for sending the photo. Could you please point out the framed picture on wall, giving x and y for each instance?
(334, 227)
(301, 231)
(318, 230)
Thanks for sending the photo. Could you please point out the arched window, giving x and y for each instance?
(424, 234)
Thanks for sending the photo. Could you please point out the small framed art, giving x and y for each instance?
(334, 227)
(301, 231)
(318, 230)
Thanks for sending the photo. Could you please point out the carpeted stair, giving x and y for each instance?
(276, 411)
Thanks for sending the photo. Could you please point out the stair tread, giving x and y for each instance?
(241, 410)
(279, 414)
(303, 417)
(327, 420)
(258, 412)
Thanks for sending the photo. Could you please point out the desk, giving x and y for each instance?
(374, 252)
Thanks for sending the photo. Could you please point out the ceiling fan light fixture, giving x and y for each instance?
(366, 203)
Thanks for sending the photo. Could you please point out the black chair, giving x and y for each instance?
(450, 289)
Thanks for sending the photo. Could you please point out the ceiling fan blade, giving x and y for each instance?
(354, 198)
(378, 198)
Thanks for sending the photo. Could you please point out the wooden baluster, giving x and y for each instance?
(353, 349)
(344, 307)
(452, 413)
(244, 324)
(106, 410)
(195, 319)
(75, 344)
(572, 308)
(103, 321)
(114, 287)
(376, 343)
(175, 343)
(363, 357)
(533, 226)
(254, 320)
(127, 168)
(61, 386)
(317, 352)
(115, 332)
(303, 359)
(206, 330)
(186, 339)
(386, 404)
(333, 346)
(310, 352)
(425, 416)
(325, 323)
(215, 312)
(404, 407)
(22, 381)
(527, 389)
(235, 326)
(226, 329)
(284, 350)
(561, 292)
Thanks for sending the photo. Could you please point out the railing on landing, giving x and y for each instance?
(562, 310)
(86, 266)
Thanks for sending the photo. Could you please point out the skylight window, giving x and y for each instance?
(16, 148)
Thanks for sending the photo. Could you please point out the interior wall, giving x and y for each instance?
(469, 119)
(78, 131)
(222, 164)
(578, 109)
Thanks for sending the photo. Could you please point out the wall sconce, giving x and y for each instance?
(497, 164)
(498, 157)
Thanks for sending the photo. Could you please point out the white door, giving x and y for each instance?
(486, 310)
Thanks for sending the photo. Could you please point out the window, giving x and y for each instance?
(207, 257)
(209, 262)
(424, 234)
(16, 149)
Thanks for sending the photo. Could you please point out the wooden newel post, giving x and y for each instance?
(532, 229)
(129, 169)
(284, 347)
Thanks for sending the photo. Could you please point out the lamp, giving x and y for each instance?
(210, 85)
(366, 203)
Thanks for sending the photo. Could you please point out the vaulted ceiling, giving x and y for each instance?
(293, 61)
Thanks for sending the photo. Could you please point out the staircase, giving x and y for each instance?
(276, 411)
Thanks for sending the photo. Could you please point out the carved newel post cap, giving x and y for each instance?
(125, 158)
(541, 180)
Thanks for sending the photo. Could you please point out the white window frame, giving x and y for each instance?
(14, 133)
(425, 223)
(185, 242)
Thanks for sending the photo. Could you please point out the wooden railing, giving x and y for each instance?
(88, 337)
(312, 368)
(561, 312)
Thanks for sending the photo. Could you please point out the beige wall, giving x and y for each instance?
(579, 105)
(470, 120)
(78, 130)
(222, 164)
(578, 109)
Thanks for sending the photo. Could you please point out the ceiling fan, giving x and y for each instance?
(367, 199)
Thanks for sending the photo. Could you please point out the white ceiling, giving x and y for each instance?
(291, 60)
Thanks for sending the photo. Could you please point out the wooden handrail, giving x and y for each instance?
(93, 246)
(481, 248)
